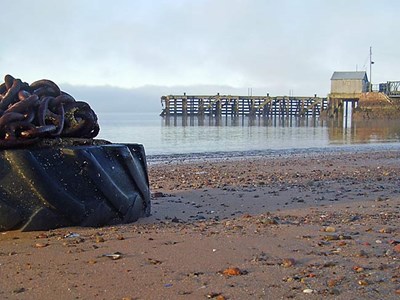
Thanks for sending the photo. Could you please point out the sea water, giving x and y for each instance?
(192, 134)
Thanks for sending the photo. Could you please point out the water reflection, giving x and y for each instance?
(338, 131)
(363, 131)
(241, 121)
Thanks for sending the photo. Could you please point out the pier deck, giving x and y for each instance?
(217, 105)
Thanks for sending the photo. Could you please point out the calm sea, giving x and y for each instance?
(178, 135)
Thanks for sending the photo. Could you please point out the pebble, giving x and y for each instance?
(330, 229)
(232, 272)
(99, 239)
(362, 253)
(358, 269)
(333, 237)
(41, 245)
(308, 291)
(331, 282)
(334, 291)
(363, 282)
(288, 262)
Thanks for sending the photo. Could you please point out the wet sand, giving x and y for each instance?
(300, 226)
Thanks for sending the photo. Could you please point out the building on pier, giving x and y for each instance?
(346, 89)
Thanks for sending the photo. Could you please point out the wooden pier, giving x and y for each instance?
(217, 105)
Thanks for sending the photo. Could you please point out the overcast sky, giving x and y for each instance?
(271, 46)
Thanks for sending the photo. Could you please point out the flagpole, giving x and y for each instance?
(370, 68)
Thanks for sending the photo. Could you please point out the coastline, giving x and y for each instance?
(301, 226)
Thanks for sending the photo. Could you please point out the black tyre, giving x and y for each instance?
(47, 188)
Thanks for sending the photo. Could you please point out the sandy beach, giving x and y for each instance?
(304, 226)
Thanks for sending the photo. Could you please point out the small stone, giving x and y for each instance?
(363, 282)
(330, 229)
(361, 253)
(288, 262)
(331, 282)
(386, 230)
(175, 220)
(41, 245)
(397, 248)
(334, 291)
(218, 296)
(332, 237)
(232, 272)
(154, 261)
(113, 256)
(308, 291)
(42, 236)
(99, 239)
(358, 269)
(19, 290)
(329, 264)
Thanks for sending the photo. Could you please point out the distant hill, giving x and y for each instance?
(141, 99)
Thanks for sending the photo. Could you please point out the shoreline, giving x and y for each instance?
(305, 226)
(155, 159)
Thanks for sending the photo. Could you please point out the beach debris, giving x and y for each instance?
(330, 229)
(19, 290)
(308, 291)
(113, 256)
(99, 239)
(41, 245)
(38, 110)
(332, 282)
(268, 220)
(158, 195)
(42, 235)
(71, 235)
(358, 269)
(361, 253)
(329, 264)
(120, 237)
(233, 271)
(175, 220)
(154, 261)
(288, 262)
(331, 237)
(363, 282)
(386, 230)
(217, 296)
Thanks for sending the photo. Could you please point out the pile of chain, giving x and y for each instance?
(29, 112)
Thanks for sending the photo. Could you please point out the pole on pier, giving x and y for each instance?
(370, 69)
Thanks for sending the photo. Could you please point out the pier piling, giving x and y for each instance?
(266, 106)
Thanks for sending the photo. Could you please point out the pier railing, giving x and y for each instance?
(217, 105)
